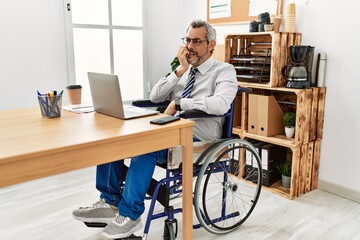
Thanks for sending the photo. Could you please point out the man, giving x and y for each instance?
(211, 87)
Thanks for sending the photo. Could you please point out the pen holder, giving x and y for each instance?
(50, 106)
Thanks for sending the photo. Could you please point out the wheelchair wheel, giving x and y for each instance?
(225, 194)
(169, 232)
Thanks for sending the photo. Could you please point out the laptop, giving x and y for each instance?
(106, 97)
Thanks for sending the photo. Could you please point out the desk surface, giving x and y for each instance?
(33, 147)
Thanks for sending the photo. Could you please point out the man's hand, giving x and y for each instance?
(184, 64)
(171, 109)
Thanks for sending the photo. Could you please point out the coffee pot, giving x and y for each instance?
(298, 72)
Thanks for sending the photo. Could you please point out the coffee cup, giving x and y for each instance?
(276, 24)
(74, 93)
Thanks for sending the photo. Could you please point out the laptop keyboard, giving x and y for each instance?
(129, 109)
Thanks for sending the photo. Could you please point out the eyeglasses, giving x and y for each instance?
(195, 41)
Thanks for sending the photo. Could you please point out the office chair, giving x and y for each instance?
(225, 194)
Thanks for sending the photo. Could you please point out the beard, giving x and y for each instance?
(193, 57)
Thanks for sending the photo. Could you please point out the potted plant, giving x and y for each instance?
(174, 64)
(289, 122)
(285, 170)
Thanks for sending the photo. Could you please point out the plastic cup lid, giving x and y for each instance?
(74, 87)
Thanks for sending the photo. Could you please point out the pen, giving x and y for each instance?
(53, 106)
(42, 102)
(82, 107)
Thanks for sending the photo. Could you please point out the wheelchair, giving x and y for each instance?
(225, 192)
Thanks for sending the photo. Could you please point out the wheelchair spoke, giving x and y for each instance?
(223, 200)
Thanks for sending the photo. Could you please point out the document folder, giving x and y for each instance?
(265, 116)
(271, 156)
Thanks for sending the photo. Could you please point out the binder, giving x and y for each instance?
(234, 162)
(271, 156)
(251, 166)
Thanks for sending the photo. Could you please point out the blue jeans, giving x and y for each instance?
(139, 175)
(131, 201)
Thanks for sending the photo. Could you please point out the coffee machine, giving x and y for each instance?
(298, 72)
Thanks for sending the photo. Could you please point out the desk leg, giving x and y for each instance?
(187, 171)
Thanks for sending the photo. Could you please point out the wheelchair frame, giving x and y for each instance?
(208, 162)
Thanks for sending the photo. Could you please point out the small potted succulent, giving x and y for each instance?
(285, 170)
(289, 122)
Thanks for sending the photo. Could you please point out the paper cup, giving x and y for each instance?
(74, 93)
(276, 24)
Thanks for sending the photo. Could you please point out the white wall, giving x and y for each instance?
(166, 28)
(32, 51)
(32, 47)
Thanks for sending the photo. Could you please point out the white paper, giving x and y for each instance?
(79, 108)
(219, 9)
(264, 158)
(260, 6)
(236, 151)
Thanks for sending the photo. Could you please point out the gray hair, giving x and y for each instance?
(210, 31)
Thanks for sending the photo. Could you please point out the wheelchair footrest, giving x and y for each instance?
(95, 225)
(132, 237)
(102, 225)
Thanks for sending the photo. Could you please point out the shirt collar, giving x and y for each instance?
(205, 66)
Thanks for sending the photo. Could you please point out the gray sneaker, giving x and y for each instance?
(122, 227)
(99, 212)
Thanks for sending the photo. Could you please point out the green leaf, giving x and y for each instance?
(174, 64)
(285, 168)
(289, 119)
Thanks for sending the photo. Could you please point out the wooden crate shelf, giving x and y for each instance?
(280, 140)
(237, 130)
(258, 57)
(245, 51)
(305, 160)
(307, 103)
(305, 166)
(304, 147)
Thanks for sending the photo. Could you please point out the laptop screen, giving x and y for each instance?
(106, 97)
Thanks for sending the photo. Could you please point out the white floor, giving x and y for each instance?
(41, 209)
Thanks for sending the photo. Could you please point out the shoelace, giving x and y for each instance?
(120, 219)
(99, 203)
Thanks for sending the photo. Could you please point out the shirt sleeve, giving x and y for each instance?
(163, 88)
(219, 103)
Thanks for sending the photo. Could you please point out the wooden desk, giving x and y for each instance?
(33, 147)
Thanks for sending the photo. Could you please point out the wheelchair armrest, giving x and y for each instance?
(148, 103)
(197, 114)
(244, 89)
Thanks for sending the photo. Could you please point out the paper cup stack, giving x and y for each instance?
(290, 18)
